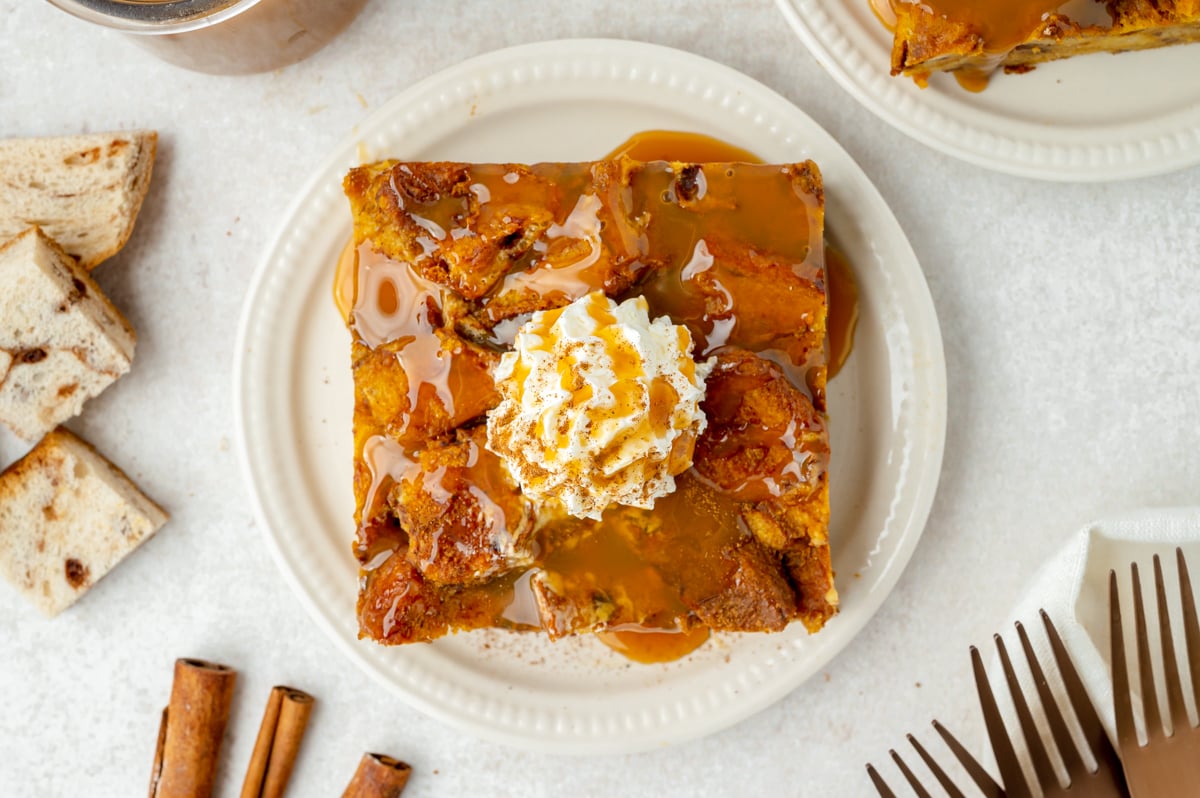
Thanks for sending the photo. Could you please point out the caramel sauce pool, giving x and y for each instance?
(695, 517)
(642, 645)
(842, 293)
(668, 145)
(343, 280)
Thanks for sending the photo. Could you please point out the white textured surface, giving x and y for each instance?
(1068, 313)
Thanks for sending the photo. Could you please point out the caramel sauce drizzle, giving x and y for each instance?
(649, 646)
(885, 13)
(842, 294)
(1000, 24)
(642, 563)
(581, 229)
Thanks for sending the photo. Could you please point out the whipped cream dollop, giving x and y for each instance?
(600, 405)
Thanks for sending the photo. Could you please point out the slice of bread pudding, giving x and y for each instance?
(453, 260)
(973, 38)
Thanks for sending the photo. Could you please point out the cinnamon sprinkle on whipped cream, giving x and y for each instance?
(600, 405)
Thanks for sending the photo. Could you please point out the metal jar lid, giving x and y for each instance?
(154, 16)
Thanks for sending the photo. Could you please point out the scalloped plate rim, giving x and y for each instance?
(922, 478)
(1077, 160)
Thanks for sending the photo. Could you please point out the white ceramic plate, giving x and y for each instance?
(575, 100)
(1097, 117)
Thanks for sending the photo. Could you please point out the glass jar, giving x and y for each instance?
(223, 36)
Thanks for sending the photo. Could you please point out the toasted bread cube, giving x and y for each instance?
(67, 517)
(61, 341)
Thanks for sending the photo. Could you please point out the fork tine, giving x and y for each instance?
(1175, 705)
(1154, 727)
(1058, 725)
(880, 784)
(908, 774)
(1122, 700)
(1085, 710)
(1033, 739)
(983, 780)
(1191, 627)
(939, 774)
(1006, 759)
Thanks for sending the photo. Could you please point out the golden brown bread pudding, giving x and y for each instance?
(973, 38)
(457, 265)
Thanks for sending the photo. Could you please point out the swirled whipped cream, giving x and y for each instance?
(599, 405)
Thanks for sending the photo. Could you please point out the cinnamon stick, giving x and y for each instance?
(278, 742)
(192, 727)
(378, 776)
(156, 770)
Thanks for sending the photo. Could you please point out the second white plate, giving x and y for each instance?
(561, 101)
(1092, 118)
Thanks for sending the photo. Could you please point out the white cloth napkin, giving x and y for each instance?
(1073, 589)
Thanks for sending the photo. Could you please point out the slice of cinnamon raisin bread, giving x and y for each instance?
(84, 191)
(61, 340)
(67, 517)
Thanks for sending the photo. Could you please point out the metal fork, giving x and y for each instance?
(1105, 781)
(1168, 765)
(986, 784)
